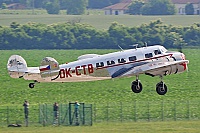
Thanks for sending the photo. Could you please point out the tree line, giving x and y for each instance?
(72, 7)
(78, 7)
(156, 7)
(92, 4)
(83, 36)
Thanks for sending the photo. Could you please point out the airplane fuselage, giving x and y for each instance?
(112, 65)
(152, 60)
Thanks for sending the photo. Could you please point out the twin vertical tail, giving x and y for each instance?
(49, 68)
(16, 66)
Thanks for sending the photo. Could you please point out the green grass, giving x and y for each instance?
(139, 127)
(23, 12)
(98, 21)
(184, 86)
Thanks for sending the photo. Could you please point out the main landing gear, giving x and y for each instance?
(161, 88)
(32, 85)
(136, 86)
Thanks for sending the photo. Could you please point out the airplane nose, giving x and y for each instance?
(183, 56)
(185, 63)
(184, 66)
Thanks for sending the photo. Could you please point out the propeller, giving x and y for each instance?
(180, 49)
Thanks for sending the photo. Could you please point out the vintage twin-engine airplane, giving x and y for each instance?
(151, 60)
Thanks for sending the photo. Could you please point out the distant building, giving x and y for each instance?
(180, 6)
(117, 9)
(122, 7)
(16, 6)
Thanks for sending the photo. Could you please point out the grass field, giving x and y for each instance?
(98, 21)
(139, 127)
(182, 87)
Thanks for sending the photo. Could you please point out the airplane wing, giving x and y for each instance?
(159, 68)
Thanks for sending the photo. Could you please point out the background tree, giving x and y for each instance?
(135, 7)
(39, 3)
(28, 3)
(9, 1)
(76, 7)
(98, 4)
(35, 3)
(119, 35)
(158, 7)
(3, 6)
(63, 4)
(192, 35)
(83, 36)
(189, 9)
(53, 7)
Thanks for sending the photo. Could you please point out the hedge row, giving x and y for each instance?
(84, 36)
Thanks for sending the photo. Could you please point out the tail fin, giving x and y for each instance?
(49, 68)
(16, 66)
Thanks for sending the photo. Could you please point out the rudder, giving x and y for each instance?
(49, 68)
(16, 66)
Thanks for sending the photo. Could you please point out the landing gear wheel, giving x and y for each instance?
(31, 85)
(136, 86)
(161, 88)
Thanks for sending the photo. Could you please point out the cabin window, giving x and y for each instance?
(132, 58)
(148, 55)
(122, 60)
(100, 64)
(110, 62)
(156, 52)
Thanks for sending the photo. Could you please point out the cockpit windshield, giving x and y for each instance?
(162, 49)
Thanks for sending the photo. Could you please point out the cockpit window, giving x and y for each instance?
(156, 52)
(163, 50)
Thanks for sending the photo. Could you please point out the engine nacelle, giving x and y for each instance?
(170, 69)
(177, 68)
(49, 68)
